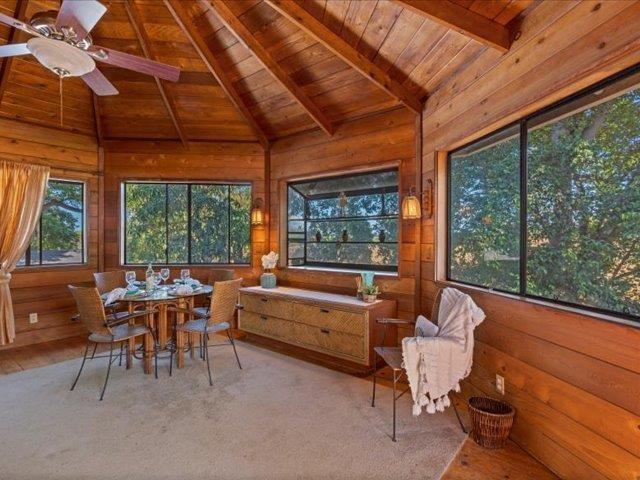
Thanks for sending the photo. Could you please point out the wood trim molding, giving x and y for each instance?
(440, 201)
(244, 36)
(145, 42)
(178, 10)
(14, 34)
(325, 36)
(462, 20)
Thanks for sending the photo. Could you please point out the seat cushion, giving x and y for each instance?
(204, 311)
(121, 332)
(200, 326)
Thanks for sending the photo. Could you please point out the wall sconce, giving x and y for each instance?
(257, 215)
(411, 208)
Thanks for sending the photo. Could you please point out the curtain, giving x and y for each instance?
(22, 189)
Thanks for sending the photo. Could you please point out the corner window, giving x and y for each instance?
(550, 207)
(348, 222)
(186, 223)
(59, 237)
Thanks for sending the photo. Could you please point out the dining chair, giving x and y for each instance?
(107, 281)
(215, 275)
(112, 329)
(392, 357)
(224, 303)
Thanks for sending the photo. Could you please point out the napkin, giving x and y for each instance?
(115, 295)
(193, 282)
(184, 290)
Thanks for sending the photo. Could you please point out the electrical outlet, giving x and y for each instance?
(500, 384)
(33, 318)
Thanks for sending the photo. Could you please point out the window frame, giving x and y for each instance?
(83, 229)
(346, 267)
(189, 184)
(523, 137)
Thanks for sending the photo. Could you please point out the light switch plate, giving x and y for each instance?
(33, 318)
(500, 384)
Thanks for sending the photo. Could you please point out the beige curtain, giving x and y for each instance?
(22, 189)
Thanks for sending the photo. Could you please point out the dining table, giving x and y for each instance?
(157, 302)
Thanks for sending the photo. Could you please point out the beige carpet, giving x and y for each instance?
(279, 418)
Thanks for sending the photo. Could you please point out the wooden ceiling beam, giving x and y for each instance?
(244, 36)
(145, 42)
(182, 18)
(321, 33)
(14, 34)
(462, 20)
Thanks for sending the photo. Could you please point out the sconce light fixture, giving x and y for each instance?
(257, 215)
(411, 208)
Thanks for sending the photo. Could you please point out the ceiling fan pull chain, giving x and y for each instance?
(60, 76)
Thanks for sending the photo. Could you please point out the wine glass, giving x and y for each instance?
(130, 278)
(185, 274)
(165, 273)
(157, 278)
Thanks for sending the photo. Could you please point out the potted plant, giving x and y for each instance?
(370, 293)
(268, 278)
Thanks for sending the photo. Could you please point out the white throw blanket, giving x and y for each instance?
(436, 363)
(115, 295)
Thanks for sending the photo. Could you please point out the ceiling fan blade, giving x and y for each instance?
(80, 15)
(12, 22)
(132, 62)
(14, 49)
(99, 83)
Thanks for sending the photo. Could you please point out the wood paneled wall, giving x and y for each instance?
(43, 290)
(574, 379)
(374, 142)
(139, 160)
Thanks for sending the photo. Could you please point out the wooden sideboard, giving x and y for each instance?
(342, 330)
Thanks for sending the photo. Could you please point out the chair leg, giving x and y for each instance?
(84, 359)
(120, 359)
(95, 346)
(106, 380)
(375, 370)
(233, 344)
(206, 354)
(455, 409)
(394, 406)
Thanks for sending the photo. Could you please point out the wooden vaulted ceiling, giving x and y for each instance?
(257, 70)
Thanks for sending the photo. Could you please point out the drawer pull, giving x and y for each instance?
(324, 310)
(324, 330)
(264, 299)
(262, 317)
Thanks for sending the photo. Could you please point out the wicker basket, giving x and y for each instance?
(491, 421)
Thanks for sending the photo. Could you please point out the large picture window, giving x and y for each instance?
(346, 222)
(59, 237)
(550, 207)
(186, 223)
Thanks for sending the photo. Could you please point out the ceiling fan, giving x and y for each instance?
(62, 43)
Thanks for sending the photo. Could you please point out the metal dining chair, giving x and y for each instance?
(392, 357)
(215, 275)
(112, 329)
(224, 302)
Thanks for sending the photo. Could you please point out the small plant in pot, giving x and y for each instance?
(370, 293)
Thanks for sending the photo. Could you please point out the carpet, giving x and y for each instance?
(278, 418)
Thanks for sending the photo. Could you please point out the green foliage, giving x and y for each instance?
(583, 209)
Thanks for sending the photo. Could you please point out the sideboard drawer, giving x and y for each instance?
(265, 325)
(331, 341)
(336, 320)
(263, 305)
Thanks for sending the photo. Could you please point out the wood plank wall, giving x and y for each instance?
(140, 160)
(574, 379)
(376, 141)
(43, 290)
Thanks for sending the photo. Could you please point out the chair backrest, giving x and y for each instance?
(90, 308)
(219, 275)
(224, 301)
(107, 281)
(435, 310)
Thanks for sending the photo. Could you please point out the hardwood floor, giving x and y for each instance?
(471, 463)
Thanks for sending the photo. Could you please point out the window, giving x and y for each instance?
(346, 222)
(186, 223)
(550, 208)
(59, 236)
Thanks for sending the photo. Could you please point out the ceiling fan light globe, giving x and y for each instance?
(59, 56)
